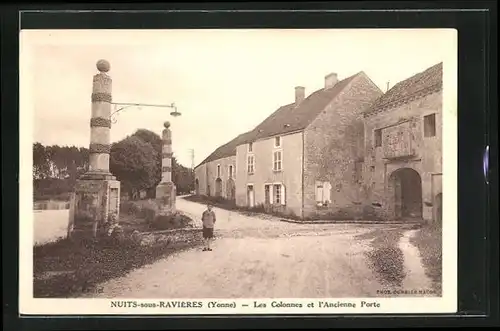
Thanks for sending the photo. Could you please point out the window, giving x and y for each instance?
(250, 147)
(267, 194)
(218, 171)
(277, 162)
(277, 142)
(323, 193)
(430, 125)
(279, 194)
(250, 164)
(378, 137)
(274, 194)
(230, 171)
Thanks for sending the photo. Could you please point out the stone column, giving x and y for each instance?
(166, 190)
(100, 122)
(166, 161)
(97, 192)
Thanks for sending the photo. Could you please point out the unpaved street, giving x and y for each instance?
(258, 258)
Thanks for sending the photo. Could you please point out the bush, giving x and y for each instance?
(149, 209)
(168, 222)
(130, 207)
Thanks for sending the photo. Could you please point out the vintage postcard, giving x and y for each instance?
(238, 171)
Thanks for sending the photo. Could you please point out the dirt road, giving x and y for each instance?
(258, 258)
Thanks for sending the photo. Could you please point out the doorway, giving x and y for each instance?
(250, 196)
(218, 187)
(230, 189)
(197, 186)
(406, 185)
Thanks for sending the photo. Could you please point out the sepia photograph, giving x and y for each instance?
(260, 171)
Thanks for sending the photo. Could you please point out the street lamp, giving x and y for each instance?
(119, 106)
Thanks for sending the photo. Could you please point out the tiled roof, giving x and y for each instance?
(286, 119)
(419, 85)
(290, 118)
(226, 150)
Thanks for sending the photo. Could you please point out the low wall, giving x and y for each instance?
(167, 236)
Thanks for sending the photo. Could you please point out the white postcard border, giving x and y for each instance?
(29, 305)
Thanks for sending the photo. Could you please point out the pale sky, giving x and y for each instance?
(224, 82)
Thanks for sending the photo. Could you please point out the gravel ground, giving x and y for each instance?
(264, 258)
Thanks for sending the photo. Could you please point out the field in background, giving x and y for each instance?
(50, 205)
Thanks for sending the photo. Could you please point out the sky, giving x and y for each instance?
(224, 82)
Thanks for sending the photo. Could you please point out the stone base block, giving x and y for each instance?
(165, 195)
(97, 175)
(95, 202)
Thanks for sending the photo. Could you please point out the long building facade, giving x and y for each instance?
(215, 176)
(297, 159)
(346, 151)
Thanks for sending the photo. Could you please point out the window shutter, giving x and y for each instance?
(283, 195)
(326, 192)
(271, 193)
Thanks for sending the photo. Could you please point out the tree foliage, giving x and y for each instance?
(156, 142)
(133, 162)
(55, 169)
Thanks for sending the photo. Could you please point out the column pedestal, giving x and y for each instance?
(96, 201)
(165, 195)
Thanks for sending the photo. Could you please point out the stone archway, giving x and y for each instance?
(197, 186)
(218, 187)
(405, 191)
(438, 202)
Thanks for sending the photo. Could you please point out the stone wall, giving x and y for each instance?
(333, 145)
(426, 158)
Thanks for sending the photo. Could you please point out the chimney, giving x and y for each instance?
(300, 94)
(330, 80)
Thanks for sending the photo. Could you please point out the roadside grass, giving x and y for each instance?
(385, 257)
(428, 240)
(66, 268)
(259, 210)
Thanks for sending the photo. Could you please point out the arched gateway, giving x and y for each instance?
(405, 191)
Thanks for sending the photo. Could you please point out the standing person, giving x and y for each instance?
(208, 220)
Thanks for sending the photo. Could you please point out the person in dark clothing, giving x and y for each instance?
(208, 219)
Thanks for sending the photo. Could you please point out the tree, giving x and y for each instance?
(134, 163)
(40, 162)
(156, 142)
(182, 176)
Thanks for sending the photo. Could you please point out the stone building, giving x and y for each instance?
(403, 149)
(301, 160)
(215, 176)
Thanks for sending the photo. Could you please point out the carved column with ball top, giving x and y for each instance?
(96, 199)
(166, 190)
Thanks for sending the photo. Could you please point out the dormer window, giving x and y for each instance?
(250, 147)
(277, 142)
